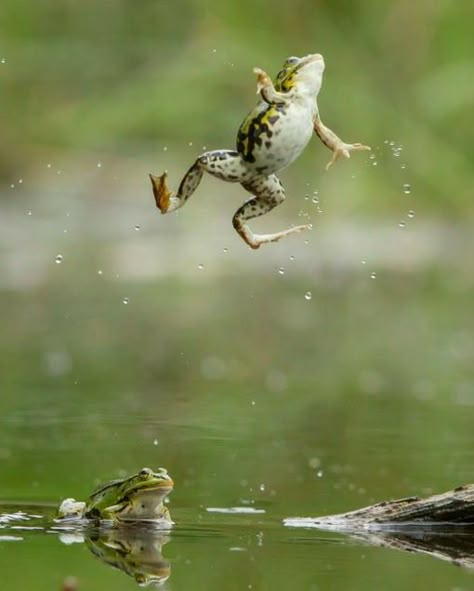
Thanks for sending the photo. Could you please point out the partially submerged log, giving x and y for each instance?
(441, 525)
(454, 508)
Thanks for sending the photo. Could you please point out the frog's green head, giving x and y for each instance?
(304, 74)
(138, 497)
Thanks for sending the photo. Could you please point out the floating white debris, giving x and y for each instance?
(232, 510)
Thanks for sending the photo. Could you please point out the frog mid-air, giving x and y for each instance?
(272, 136)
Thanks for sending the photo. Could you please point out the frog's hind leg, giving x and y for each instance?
(268, 193)
(226, 165)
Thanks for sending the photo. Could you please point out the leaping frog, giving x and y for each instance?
(271, 137)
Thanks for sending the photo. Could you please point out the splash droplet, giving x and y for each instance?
(319, 473)
(137, 228)
(226, 250)
(411, 213)
(99, 164)
(155, 442)
(308, 295)
(201, 267)
(262, 487)
(3, 60)
(126, 300)
(100, 272)
(281, 271)
(407, 188)
(373, 275)
(59, 259)
(402, 224)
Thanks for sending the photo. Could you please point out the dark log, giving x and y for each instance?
(441, 525)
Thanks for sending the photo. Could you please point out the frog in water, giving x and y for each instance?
(272, 136)
(139, 497)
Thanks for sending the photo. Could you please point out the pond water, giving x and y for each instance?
(260, 409)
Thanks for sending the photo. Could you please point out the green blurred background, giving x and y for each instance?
(320, 373)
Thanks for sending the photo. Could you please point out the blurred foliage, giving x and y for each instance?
(127, 78)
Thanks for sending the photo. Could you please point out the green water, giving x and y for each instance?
(282, 408)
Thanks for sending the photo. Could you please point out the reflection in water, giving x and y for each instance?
(133, 550)
(444, 541)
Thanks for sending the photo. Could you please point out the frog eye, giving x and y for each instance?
(292, 61)
(145, 473)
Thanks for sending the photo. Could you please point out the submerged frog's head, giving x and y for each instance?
(303, 74)
(138, 497)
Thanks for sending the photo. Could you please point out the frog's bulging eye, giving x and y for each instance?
(292, 61)
(145, 473)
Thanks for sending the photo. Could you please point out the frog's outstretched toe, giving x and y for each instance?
(161, 192)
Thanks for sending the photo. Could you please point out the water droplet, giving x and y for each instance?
(99, 164)
(59, 259)
(319, 473)
(48, 166)
(155, 442)
(373, 275)
(281, 271)
(3, 60)
(190, 143)
(292, 258)
(306, 241)
(201, 267)
(411, 213)
(308, 295)
(262, 487)
(12, 186)
(372, 157)
(363, 261)
(374, 163)
(214, 51)
(315, 199)
(314, 463)
(253, 403)
(165, 148)
(58, 172)
(20, 181)
(126, 300)
(100, 272)
(407, 188)
(226, 250)
(30, 212)
(137, 228)
(402, 224)
(403, 166)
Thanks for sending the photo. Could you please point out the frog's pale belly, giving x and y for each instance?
(280, 139)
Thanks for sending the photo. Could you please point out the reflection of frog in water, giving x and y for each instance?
(271, 137)
(139, 497)
(136, 551)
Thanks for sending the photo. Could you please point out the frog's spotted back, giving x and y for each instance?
(285, 79)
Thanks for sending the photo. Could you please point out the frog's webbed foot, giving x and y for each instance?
(334, 143)
(164, 199)
(268, 193)
(266, 89)
(256, 240)
(343, 149)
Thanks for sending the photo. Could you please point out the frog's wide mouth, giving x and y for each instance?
(312, 57)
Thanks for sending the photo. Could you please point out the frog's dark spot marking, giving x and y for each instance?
(212, 165)
(268, 144)
(269, 133)
(232, 177)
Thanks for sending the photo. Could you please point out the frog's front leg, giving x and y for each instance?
(226, 165)
(267, 91)
(334, 143)
(268, 193)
